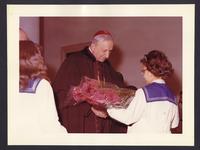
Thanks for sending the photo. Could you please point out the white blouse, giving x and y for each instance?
(35, 115)
(143, 117)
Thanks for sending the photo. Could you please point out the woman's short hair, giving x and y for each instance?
(157, 63)
(31, 63)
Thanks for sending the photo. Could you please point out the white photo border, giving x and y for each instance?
(186, 11)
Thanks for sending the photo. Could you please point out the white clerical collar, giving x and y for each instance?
(90, 49)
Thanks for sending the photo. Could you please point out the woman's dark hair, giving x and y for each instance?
(32, 64)
(157, 63)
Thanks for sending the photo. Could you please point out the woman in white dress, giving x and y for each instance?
(154, 108)
(35, 111)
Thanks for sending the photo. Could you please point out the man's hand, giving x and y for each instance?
(99, 113)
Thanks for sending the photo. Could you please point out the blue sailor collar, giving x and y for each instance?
(158, 91)
(32, 86)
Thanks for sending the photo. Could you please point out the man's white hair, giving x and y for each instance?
(101, 37)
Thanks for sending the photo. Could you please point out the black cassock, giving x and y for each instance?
(79, 118)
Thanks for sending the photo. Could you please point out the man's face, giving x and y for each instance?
(102, 50)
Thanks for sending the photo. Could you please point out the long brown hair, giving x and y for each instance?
(32, 64)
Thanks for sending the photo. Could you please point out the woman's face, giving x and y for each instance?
(146, 74)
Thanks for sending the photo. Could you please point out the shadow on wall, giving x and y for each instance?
(116, 57)
(63, 52)
(174, 83)
(51, 73)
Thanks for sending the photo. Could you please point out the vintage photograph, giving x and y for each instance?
(101, 75)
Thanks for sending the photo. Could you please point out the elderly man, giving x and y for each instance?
(91, 62)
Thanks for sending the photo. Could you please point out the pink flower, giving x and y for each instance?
(101, 94)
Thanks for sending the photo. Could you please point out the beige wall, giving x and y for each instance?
(133, 36)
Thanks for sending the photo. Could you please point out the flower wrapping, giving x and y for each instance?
(101, 94)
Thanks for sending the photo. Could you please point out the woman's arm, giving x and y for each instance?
(133, 112)
(175, 121)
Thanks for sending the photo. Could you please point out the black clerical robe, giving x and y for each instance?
(79, 118)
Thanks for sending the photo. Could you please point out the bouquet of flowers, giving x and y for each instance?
(101, 94)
